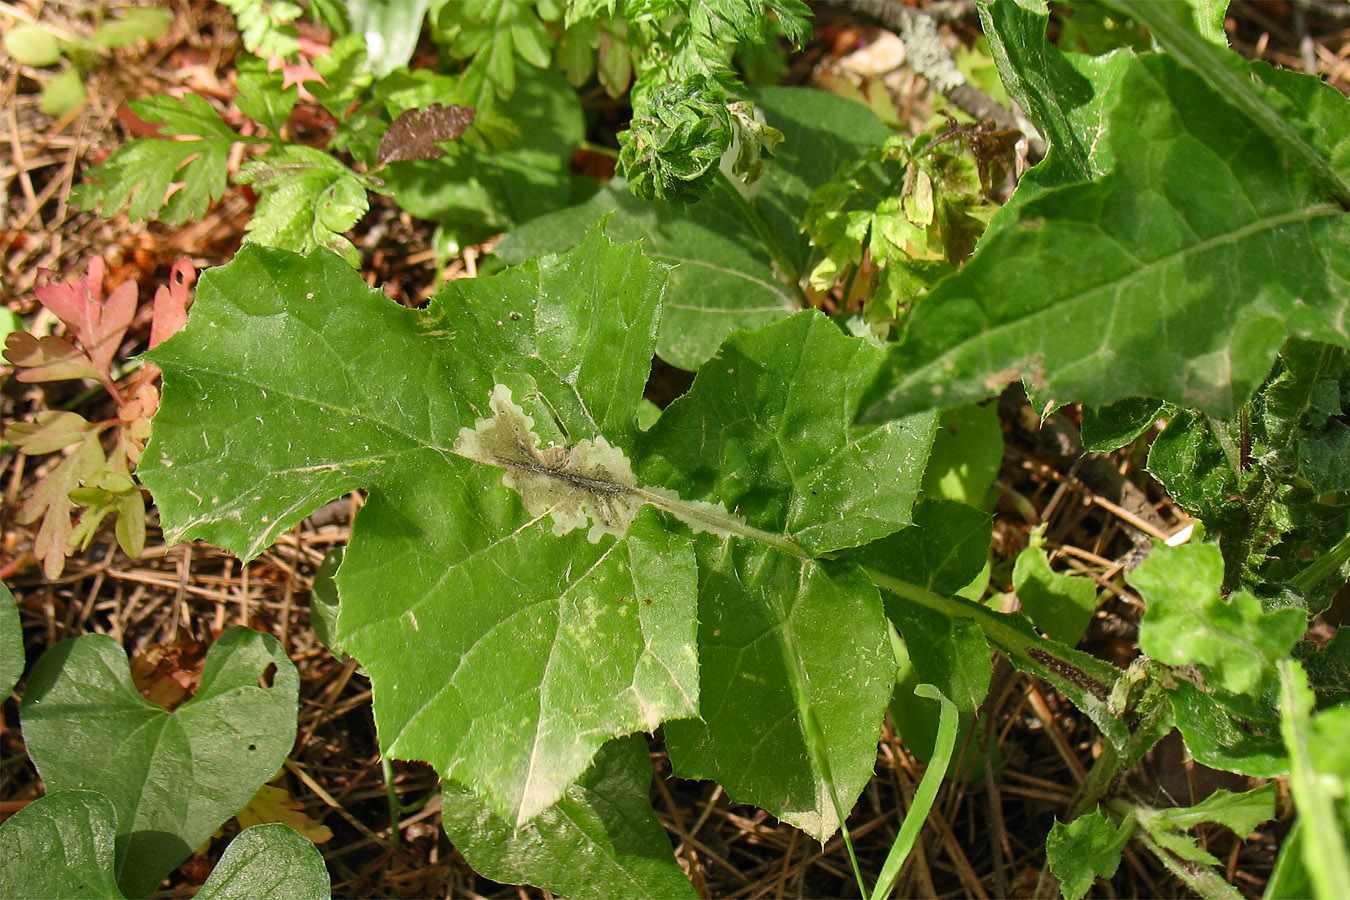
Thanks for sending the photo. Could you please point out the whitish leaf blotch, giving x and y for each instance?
(590, 481)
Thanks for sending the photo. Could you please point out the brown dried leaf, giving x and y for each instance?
(415, 134)
(50, 430)
(275, 804)
(49, 500)
(46, 359)
(168, 674)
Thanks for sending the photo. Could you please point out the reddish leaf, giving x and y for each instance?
(415, 134)
(97, 323)
(171, 302)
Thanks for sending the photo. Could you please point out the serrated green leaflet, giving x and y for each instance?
(1080, 851)
(306, 199)
(1152, 280)
(502, 653)
(139, 174)
(173, 777)
(601, 840)
(61, 847)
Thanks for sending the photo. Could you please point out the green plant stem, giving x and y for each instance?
(1210, 64)
(391, 796)
(1323, 567)
(717, 519)
(1084, 679)
(1325, 855)
(771, 243)
(1198, 877)
(943, 745)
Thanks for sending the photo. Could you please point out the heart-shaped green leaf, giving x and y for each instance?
(173, 777)
(268, 862)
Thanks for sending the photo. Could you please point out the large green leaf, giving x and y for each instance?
(173, 777)
(761, 433)
(1177, 275)
(499, 651)
(60, 847)
(11, 642)
(268, 862)
(724, 278)
(600, 840)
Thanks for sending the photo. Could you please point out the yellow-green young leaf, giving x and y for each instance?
(32, 45)
(173, 777)
(1060, 604)
(139, 23)
(63, 93)
(1189, 621)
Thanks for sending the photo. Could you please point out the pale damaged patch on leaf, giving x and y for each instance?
(588, 482)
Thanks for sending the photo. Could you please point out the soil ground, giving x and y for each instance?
(1027, 752)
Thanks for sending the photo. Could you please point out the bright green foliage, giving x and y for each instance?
(1240, 813)
(585, 639)
(1061, 605)
(967, 453)
(914, 206)
(261, 96)
(1116, 424)
(492, 34)
(61, 848)
(1319, 778)
(685, 110)
(11, 642)
(1111, 288)
(600, 840)
(265, 25)
(391, 29)
(306, 199)
(86, 726)
(138, 175)
(724, 280)
(679, 136)
(1083, 850)
(1188, 621)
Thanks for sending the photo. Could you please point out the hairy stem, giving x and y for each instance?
(786, 267)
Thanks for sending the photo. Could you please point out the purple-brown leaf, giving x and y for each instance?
(415, 134)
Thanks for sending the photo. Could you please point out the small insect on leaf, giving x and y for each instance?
(588, 482)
